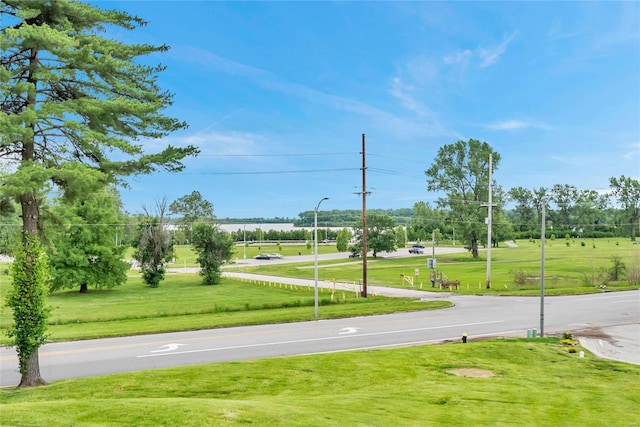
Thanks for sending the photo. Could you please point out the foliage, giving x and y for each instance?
(192, 208)
(342, 240)
(618, 268)
(381, 235)
(627, 191)
(73, 104)
(461, 170)
(84, 251)
(348, 217)
(27, 299)
(214, 248)
(154, 247)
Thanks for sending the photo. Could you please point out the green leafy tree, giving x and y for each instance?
(627, 191)
(84, 250)
(73, 104)
(153, 246)
(27, 299)
(192, 208)
(214, 248)
(525, 209)
(381, 236)
(342, 240)
(401, 236)
(461, 170)
(425, 220)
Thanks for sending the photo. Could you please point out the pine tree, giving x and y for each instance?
(75, 106)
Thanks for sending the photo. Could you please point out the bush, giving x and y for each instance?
(616, 272)
(519, 277)
(583, 244)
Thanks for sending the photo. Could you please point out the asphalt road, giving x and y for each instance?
(592, 316)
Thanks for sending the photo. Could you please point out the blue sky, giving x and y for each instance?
(278, 94)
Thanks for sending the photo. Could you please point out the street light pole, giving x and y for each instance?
(315, 251)
(244, 246)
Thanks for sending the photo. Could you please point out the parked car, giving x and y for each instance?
(275, 255)
(263, 256)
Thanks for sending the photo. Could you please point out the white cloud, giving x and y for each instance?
(508, 125)
(633, 152)
(457, 58)
(491, 56)
(407, 94)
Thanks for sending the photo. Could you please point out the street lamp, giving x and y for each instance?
(244, 246)
(315, 251)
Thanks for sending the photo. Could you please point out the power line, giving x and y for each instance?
(273, 172)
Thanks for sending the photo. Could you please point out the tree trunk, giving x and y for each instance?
(31, 376)
(83, 288)
(30, 213)
(474, 247)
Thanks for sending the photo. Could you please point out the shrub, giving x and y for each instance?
(519, 277)
(568, 243)
(616, 272)
(583, 244)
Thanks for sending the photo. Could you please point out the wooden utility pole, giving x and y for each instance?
(364, 222)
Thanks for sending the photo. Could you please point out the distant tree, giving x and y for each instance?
(72, 106)
(84, 250)
(627, 191)
(214, 248)
(461, 170)
(381, 235)
(564, 197)
(425, 220)
(192, 208)
(342, 240)
(525, 208)
(153, 246)
(401, 236)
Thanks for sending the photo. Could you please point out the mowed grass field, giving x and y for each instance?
(535, 382)
(181, 303)
(570, 268)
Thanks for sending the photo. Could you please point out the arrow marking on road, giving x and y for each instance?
(345, 331)
(166, 347)
(271, 344)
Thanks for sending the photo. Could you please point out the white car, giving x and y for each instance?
(275, 255)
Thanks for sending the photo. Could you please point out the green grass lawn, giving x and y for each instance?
(569, 269)
(181, 303)
(512, 382)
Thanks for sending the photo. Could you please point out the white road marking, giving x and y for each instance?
(167, 347)
(345, 331)
(235, 347)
